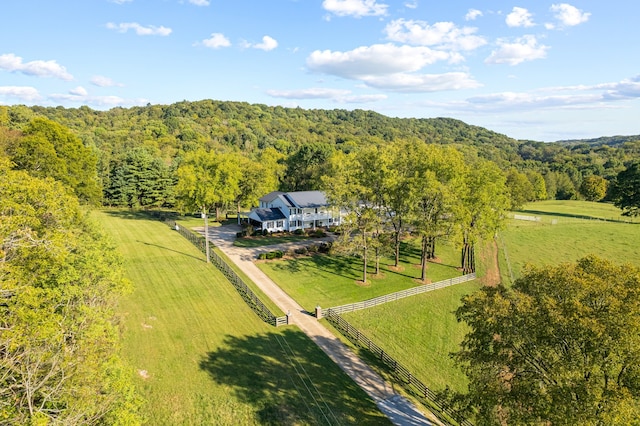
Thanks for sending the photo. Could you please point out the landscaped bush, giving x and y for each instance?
(318, 233)
(262, 256)
(265, 232)
(324, 247)
(298, 232)
(256, 233)
(300, 250)
(279, 254)
(240, 234)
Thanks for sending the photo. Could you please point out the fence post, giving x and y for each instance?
(318, 312)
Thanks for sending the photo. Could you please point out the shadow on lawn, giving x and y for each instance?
(579, 216)
(171, 250)
(287, 379)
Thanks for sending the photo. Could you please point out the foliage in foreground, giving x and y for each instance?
(560, 347)
(59, 278)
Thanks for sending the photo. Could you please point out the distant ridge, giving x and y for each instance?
(604, 140)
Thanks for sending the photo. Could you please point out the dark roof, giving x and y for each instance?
(307, 199)
(269, 214)
(271, 196)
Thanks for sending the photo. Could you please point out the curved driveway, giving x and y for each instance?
(397, 408)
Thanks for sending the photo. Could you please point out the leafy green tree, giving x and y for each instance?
(436, 190)
(349, 190)
(48, 149)
(538, 184)
(520, 189)
(593, 188)
(59, 280)
(560, 347)
(306, 167)
(626, 190)
(483, 208)
(207, 180)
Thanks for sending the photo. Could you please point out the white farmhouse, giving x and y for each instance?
(288, 211)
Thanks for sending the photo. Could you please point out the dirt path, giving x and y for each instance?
(397, 408)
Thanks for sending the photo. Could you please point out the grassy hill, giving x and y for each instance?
(201, 356)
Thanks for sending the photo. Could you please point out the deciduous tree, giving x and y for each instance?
(560, 347)
(626, 190)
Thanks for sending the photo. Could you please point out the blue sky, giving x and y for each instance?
(531, 69)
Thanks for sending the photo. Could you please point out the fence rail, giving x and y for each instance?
(243, 289)
(445, 413)
(392, 297)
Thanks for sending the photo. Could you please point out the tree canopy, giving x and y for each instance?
(59, 278)
(626, 190)
(560, 347)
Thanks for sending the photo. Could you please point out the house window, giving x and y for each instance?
(269, 225)
(330, 220)
(279, 224)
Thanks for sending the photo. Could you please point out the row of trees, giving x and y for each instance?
(59, 279)
(431, 191)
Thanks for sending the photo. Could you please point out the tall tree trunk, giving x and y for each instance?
(423, 259)
(364, 257)
(468, 258)
(206, 232)
(397, 248)
(431, 247)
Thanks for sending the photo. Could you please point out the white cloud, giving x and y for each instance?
(200, 2)
(356, 8)
(336, 95)
(378, 59)
(216, 41)
(519, 17)
(13, 63)
(568, 15)
(472, 15)
(101, 81)
(79, 91)
(552, 98)
(139, 29)
(444, 34)
(121, 1)
(411, 5)
(415, 83)
(311, 93)
(23, 93)
(525, 48)
(97, 101)
(268, 43)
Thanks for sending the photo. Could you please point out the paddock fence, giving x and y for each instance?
(243, 289)
(392, 297)
(438, 407)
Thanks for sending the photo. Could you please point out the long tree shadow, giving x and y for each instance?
(171, 250)
(141, 214)
(579, 216)
(289, 380)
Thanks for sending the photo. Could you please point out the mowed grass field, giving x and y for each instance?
(564, 235)
(422, 331)
(201, 356)
(328, 280)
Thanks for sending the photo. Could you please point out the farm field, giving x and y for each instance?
(426, 324)
(562, 237)
(328, 281)
(201, 356)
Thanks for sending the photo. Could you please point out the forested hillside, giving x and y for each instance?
(137, 150)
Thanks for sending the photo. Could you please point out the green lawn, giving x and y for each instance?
(335, 280)
(563, 238)
(571, 209)
(420, 332)
(201, 356)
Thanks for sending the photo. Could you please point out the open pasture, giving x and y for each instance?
(201, 356)
(328, 280)
(564, 235)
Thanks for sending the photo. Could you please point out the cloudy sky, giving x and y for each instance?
(531, 69)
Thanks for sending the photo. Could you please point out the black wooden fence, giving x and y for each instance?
(445, 413)
(243, 289)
